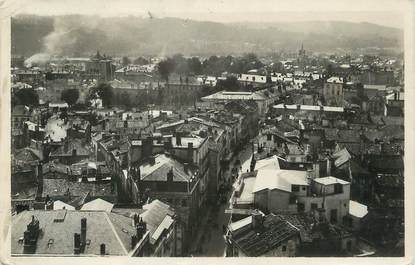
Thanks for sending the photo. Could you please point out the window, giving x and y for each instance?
(269, 137)
(284, 248)
(303, 188)
(314, 206)
(184, 203)
(295, 188)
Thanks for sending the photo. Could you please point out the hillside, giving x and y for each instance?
(79, 35)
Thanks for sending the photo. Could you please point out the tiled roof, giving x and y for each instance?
(67, 147)
(272, 233)
(58, 187)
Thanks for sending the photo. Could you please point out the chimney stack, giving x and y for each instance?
(256, 219)
(178, 139)
(30, 236)
(190, 152)
(77, 244)
(83, 232)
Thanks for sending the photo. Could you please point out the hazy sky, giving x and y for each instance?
(383, 12)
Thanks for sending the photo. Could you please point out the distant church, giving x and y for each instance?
(302, 58)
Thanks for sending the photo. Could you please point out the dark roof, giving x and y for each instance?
(68, 146)
(28, 155)
(383, 162)
(113, 230)
(58, 187)
(272, 233)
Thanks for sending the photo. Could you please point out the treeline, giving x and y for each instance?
(214, 65)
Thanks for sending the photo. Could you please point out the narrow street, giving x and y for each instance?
(210, 241)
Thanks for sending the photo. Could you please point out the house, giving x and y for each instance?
(333, 91)
(166, 231)
(19, 115)
(179, 184)
(72, 151)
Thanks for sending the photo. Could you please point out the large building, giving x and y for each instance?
(100, 67)
(333, 91)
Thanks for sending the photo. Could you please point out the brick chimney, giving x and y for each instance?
(76, 243)
(83, 233)
(178, 139)
(257, 219)
(141, 229)
(190, 152)
(30, 236)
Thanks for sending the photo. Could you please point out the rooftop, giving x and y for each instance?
(56, 237)
(357, 209)
(330, 181)
(228, 95)
(98, 205)
(162, 165)
(159, 217)
(255, 242)
(279, 179)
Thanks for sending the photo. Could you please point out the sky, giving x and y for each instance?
(382, 12)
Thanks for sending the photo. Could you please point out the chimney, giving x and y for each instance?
(147, 147)
(30, 236)
(256, 219)
(316, 168)
(152, 160)
(186, 167)
(178, 139)
(83, 232)
(102, 249)
(141, 229)
(76, 244)
(134, 241)
(39, 171)
(328, 167)
(170, 175)
(190, 152)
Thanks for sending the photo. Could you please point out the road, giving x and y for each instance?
(210, 241)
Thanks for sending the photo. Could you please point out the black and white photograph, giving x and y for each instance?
(206, 129)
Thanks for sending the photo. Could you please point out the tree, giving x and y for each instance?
(104, 92)
(70, 96)
(126, 61)
(141, 61)
(229, 84)
(165, 68)
(25, 96)
(195, 66)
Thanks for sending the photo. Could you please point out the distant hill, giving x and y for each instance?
(80, 35)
